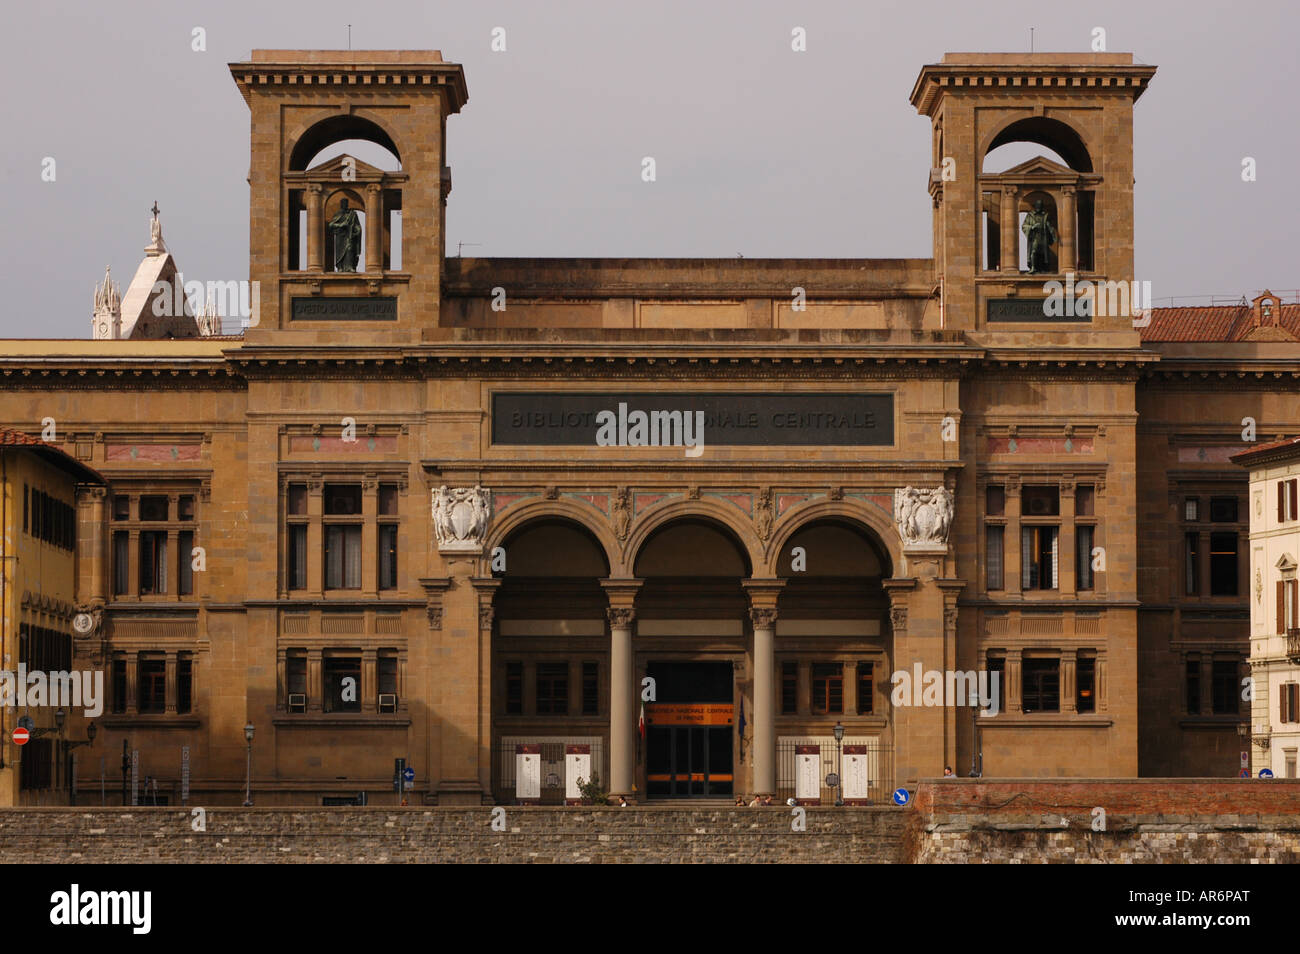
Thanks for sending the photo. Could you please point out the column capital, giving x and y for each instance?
(762, 617)
(621, 592)
(620, 617)
(763, 593)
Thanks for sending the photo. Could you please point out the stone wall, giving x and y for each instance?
(1145, 821)
(379, 835)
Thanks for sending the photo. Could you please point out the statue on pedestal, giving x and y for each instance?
(1042, 236)
(346, 229)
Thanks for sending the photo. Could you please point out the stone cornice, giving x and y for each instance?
(1027, 73)
(401, 78)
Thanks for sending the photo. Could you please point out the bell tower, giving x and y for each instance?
(341, 250)
(1002, 238)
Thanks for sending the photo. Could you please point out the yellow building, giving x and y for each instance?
(39, 484)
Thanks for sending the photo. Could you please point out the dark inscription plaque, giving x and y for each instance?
(344, 309)
(730, 418)
(1038, 309)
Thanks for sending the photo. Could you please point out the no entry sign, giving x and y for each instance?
(20, 736)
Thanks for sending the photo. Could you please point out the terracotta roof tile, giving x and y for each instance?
(55, 455)
(1211, 323)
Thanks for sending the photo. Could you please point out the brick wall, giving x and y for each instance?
(1146, 820)
(449, 835)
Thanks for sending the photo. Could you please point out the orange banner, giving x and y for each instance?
(706, 713)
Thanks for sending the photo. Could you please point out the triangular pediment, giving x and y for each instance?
(1039, 166)
(334, 168)
(1285, 562)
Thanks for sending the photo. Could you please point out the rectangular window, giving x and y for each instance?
(295, 680)
(1083, 559)
(1192, 509)
(153, 508)
(121, 563)
(1040, 684)
(388, 500)
(1193, 671)
(184, 682)
(342, 683)
(1289, 702)
(1223, 563)
(789, 688)
(997, 666)
(995, 500)
(1286, 606)
(590, 688)
(153, 562)
(298, 556)
(514, 688)
(24, 508)
(1085, 682)
(1040, 501)
(1286, 501)
(121, 507)
(343, 500)
(1191, 563)
(298, 500)
(993, 543)
(1038, 558)
(552, 688)
(185, 544)
(386, 673)
(1289, 755)
(1223, 509)
(185, 508)
(1225, 686)
(388, 556)
(866, 688)
(1085, 500)
(827, 688)
(342, 557)
(119, 684)
(151, 684)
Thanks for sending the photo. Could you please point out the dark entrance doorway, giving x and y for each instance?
(689, 730)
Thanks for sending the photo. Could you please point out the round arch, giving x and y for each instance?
(707, 511)
(878, 528)
(310, 138)
(564, 511)
(1059, 136)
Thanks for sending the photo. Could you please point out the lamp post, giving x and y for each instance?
(976, 753)
(248, 774)
(91, 731)
(839, 764)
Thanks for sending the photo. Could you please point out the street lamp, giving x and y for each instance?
(839, 764)
(91, 731)
(248, 774)
(976, 753)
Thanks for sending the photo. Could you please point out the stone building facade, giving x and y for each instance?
(676, 517)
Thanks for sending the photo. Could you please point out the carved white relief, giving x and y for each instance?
(460, 518)
(923, 516)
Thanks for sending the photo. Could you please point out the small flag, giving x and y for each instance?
(640, 726)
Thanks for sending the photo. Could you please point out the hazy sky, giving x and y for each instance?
(760, 150)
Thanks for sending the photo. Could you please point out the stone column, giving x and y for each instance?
(369, 691)
(92, 543)
(133, 566)
(315, 538)
(315, 681)
(1013, 680)
(315, 229)
(172, 570)
(374, 228)
(763, 595)
(1010, 232)
(132, 683)
(1067, 576)
(622, 686)
(370, 538)
(1068, 680)
(169, 690)
(1067, 230)
(1011, 538)
(1203, 564)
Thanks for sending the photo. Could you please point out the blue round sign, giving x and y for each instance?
(409, 774)
(902, 796)
(1265, 773)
